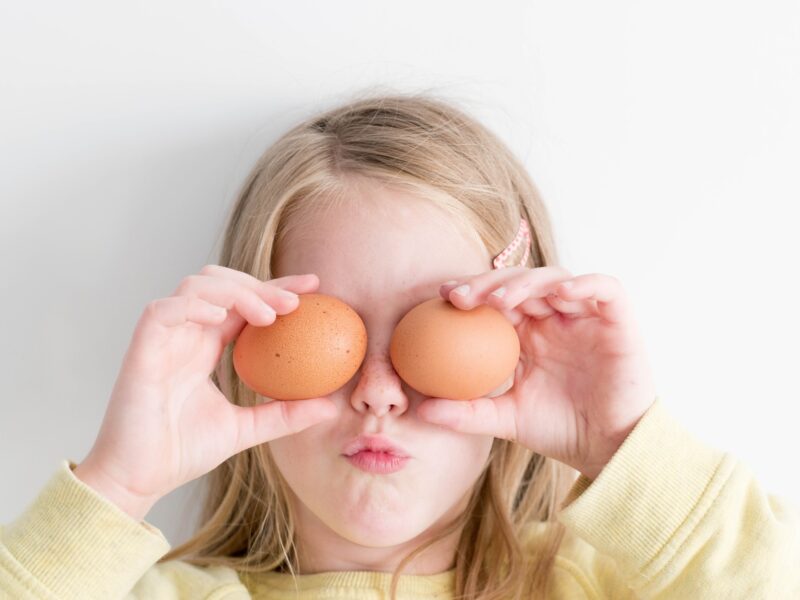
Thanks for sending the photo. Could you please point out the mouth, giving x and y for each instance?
(375, 454)
(380, 463)
(375, 444)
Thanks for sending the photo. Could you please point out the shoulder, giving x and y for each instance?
(178, 580)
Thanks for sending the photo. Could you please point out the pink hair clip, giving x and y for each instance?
(523, 234)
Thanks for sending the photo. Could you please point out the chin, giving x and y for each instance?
(378, 538)
(377, 530)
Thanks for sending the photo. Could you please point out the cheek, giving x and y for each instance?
(300, 457)
(459, 463)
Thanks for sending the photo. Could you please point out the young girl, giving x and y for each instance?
(384, 203)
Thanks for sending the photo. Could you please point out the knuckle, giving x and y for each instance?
(153, 309)
(186, 302)
(187, 283)
(258, 298)
(564, 272)
(209, 269)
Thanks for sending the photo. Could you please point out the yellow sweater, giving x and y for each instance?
(668, 517)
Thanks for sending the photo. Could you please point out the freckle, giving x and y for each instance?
(278, 355)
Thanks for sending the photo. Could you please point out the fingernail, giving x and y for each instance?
(499, 292)
(462, 290)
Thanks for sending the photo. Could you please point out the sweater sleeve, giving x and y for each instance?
(71, 542)
(683, 520)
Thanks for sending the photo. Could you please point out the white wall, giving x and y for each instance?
(664, 137)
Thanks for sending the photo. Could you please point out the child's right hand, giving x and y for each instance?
(166, 422)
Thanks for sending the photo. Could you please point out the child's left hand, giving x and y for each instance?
(583, 380)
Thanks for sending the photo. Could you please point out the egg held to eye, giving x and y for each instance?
(307, 353)
(447, 352)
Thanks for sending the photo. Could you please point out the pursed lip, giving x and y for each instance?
(373, 443)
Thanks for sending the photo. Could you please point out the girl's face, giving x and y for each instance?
(383, 253)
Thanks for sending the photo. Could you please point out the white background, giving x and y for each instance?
(664, 137)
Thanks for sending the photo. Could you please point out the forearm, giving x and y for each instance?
(682, 519)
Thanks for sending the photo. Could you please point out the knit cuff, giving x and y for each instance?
(650, 496)
(77, 544)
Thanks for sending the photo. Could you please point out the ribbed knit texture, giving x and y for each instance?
(684, 520)
(667, 518)
(72, 542)
(657, 445)
(351, 584)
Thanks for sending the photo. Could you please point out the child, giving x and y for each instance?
(384, 203)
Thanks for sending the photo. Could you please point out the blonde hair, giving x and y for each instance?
(422, 143)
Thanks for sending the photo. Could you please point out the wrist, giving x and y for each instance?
(136, 506)
(591, 472)
(608, 448)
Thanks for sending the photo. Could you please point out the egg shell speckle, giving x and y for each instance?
(307, 353)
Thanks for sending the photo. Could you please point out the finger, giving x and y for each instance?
(274, 419)
(612, 303)
(572, 309)
(518, 283)
(162, 315)
(179, 310)
(538, 308)
(273, 292)
(270, 290)
(259, 309)
(483, 416)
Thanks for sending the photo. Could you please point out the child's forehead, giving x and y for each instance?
(378, 287)
(386, 250)
(372, 257)
(373, 220)
(385, 281)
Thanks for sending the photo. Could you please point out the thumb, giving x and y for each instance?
(482, 416)
(271, 420)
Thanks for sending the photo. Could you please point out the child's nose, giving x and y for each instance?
(379, 390)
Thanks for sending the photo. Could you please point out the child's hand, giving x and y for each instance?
(166, 422)
(583, 380)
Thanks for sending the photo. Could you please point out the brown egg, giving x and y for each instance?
(447, 352)
(309, 352)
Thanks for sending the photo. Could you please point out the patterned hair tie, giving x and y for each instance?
(523, 234)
